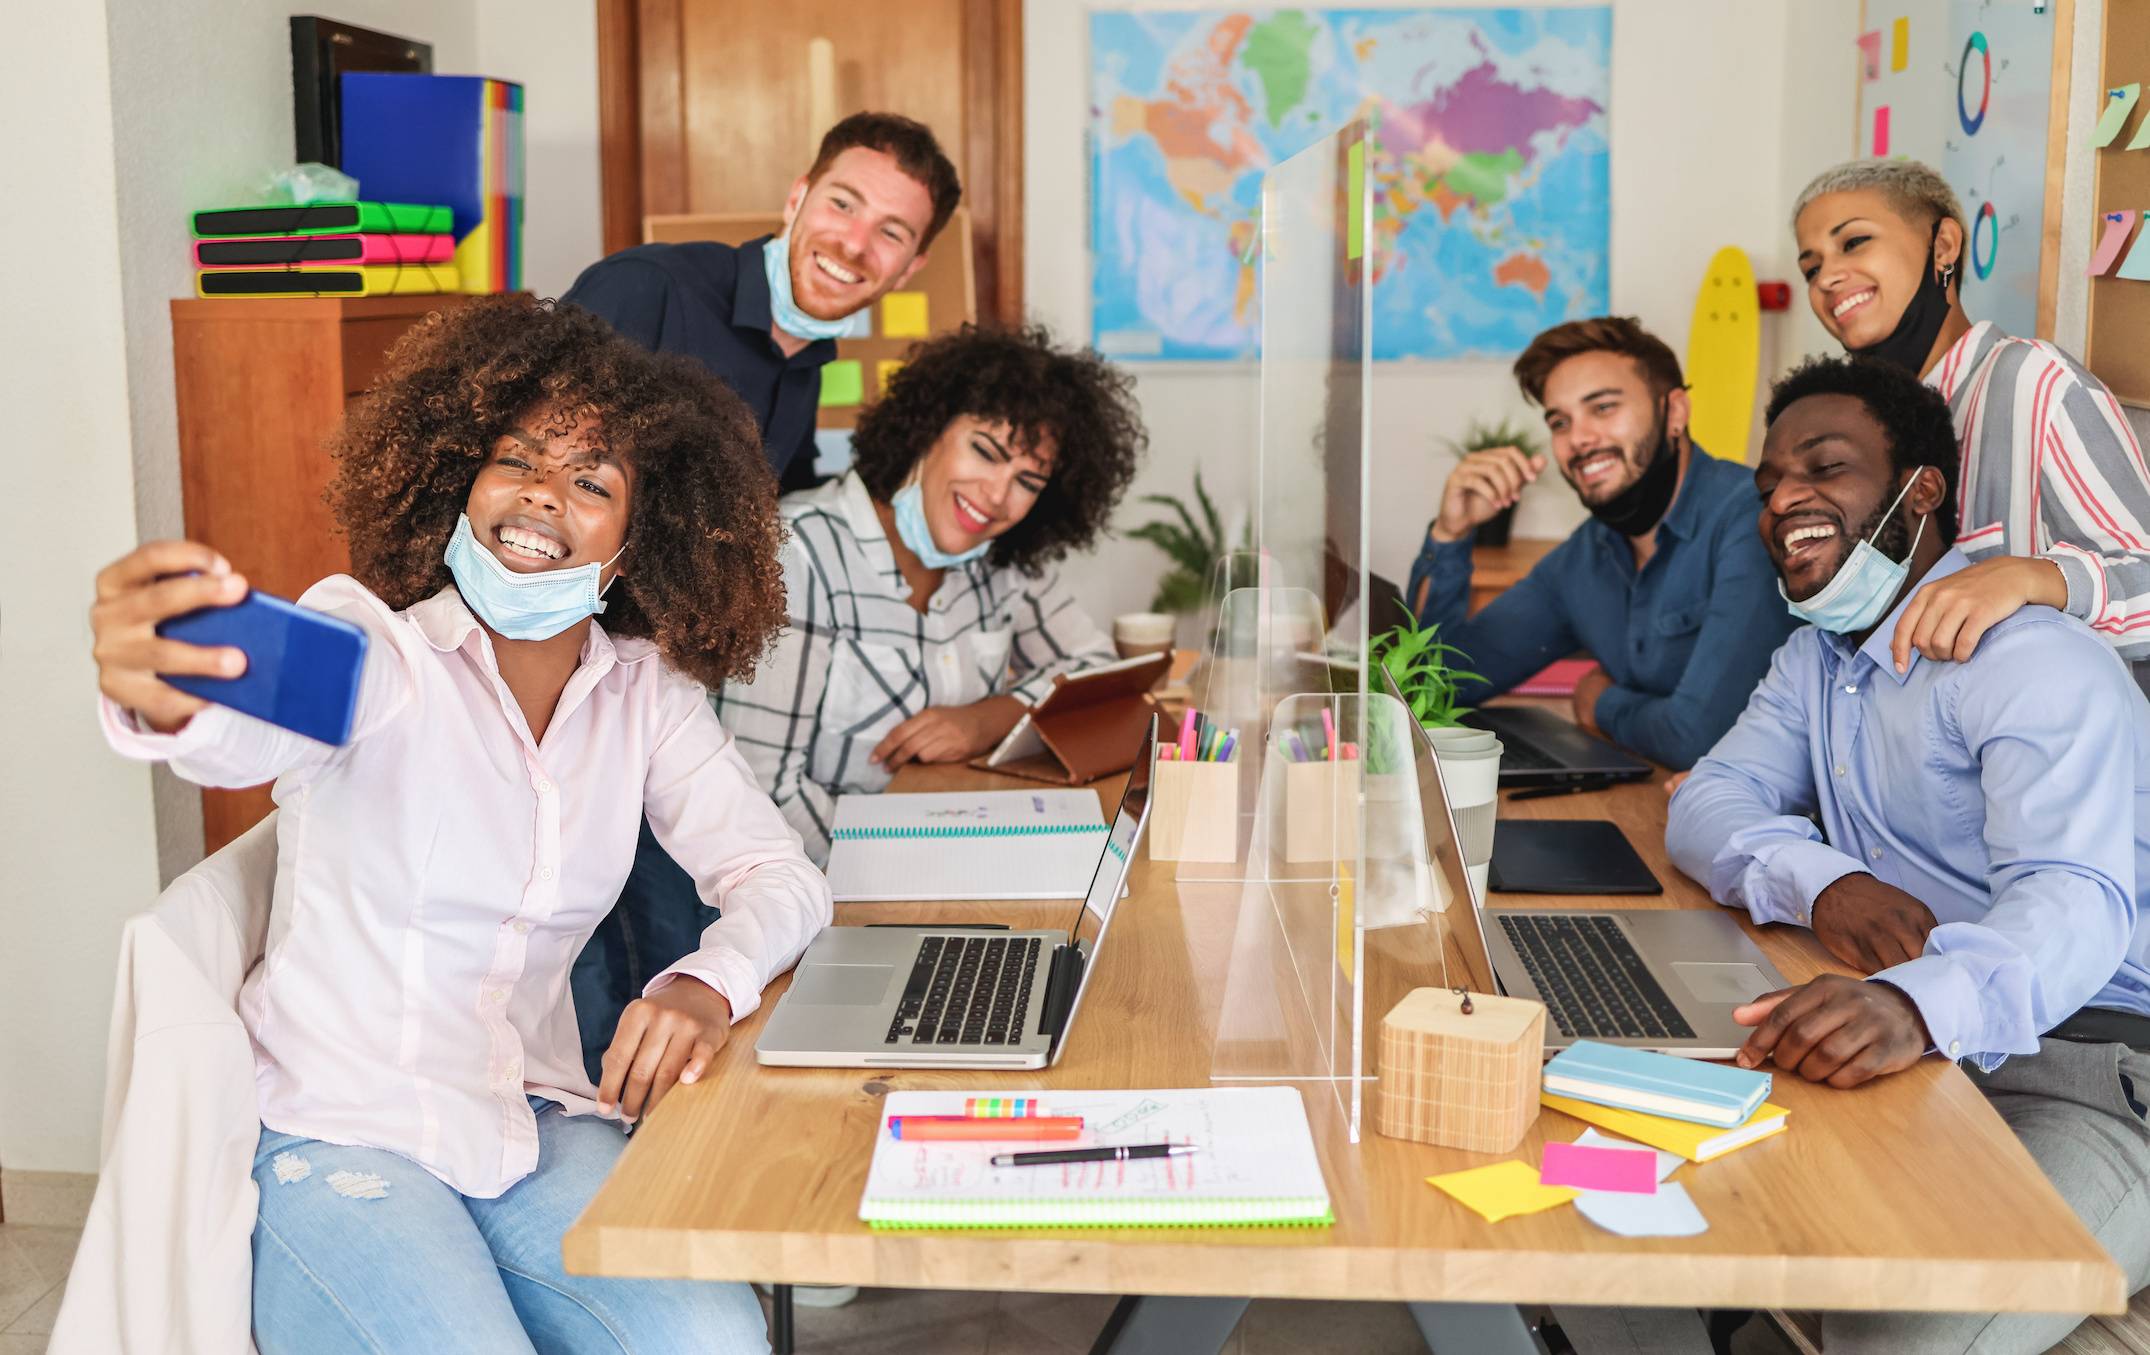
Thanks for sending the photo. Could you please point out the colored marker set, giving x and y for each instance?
(1200, 740)
(1307, 741)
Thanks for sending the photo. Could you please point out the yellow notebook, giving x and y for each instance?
(385, 279)
(1695, 1142)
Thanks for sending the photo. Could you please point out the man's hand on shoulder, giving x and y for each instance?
(1870, 925)
(1835, 1030)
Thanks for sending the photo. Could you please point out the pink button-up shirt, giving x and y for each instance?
(437, 876)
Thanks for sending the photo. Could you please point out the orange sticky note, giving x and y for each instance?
(1502, 1190)
(904, 316)
(885, 371)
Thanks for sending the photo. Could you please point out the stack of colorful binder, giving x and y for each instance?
(456, 139)
(324, 249)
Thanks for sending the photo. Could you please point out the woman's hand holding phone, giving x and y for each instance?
(149, 585)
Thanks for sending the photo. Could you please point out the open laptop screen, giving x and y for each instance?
(1452, 885)
(1111, 872)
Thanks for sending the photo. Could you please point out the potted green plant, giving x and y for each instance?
(1479, 436)
(1193, 545)
(1426, 671)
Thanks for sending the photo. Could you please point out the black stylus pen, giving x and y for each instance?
(1564, 788)
(1124, 1153)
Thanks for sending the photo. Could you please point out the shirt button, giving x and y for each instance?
(500, 995)
(544, 872)
(544, 787)
(1840, 769)
(1955, 1049)
(1851, 691)
(1874, 855)
(522, 928)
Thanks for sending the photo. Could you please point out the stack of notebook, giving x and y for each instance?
(455, 139)
(324, 249)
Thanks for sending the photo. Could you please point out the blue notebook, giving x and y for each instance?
(1656, 1084)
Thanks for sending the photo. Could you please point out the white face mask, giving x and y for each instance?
(1860, 592)
(523, 606)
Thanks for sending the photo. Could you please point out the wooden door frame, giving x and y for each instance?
(640, 110)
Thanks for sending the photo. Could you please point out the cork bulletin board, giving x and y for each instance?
(941, 297)
(2118, 347)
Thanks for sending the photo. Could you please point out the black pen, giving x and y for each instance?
(1125, 1153)
(1564, 788)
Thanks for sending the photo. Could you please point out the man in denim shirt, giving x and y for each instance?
(1666, 586)
(1971, 835)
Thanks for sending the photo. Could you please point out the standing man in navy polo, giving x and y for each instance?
(764, 316)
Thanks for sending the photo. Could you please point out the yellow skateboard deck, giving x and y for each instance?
(1724, 356)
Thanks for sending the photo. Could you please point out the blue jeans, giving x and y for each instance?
(658, 919)
(361, 1250)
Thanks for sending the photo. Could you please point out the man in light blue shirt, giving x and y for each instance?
(1983, 833)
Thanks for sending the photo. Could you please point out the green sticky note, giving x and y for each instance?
(843, 382)
(2136, 266)
(2118, 104)
(1355, 210)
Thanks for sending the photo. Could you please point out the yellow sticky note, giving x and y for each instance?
(1347, 934)
(1899, 44)
(843, 382)
(1502, 1190)
(903, 315)
(1355, 201)
(885, 371)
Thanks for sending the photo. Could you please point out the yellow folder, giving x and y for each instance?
(1695, 1142)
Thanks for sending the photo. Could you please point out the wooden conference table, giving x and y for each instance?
(1908, 1193)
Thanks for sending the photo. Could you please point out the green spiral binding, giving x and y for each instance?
(964, 830)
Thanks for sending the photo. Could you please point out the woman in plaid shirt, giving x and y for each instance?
(924, 613)
(2053, 494)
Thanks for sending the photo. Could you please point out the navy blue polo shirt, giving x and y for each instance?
(711, 302)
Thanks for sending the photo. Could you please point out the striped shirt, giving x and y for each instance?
(2051, 468)
(857, 659)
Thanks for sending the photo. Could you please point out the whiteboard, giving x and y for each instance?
(1967, 86)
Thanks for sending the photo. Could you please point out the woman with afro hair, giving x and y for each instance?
(428, 1131)
(925, 615)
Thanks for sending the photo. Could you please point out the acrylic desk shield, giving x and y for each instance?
(1332, 840)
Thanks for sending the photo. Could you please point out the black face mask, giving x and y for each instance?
(1920, 324)
(1636, 510)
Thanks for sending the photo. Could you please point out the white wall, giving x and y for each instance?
(77, 851)
(551, 47)
(1708, 149)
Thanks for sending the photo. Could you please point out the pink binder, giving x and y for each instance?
(260, 251)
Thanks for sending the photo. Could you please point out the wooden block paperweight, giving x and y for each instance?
(1460, 1070)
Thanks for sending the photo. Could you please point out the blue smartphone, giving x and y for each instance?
(302, 668)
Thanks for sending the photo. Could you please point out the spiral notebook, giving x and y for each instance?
(1006, 844)
(1256, 1166)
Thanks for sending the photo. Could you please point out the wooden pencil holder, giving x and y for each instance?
(1321, 810)
(1194, 811)
(1457, 1079)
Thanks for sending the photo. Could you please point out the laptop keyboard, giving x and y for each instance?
(1519, 756)
(1594, 983)
(967, 990)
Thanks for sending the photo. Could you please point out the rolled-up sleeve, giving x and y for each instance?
(1740, 823)
(713, 819)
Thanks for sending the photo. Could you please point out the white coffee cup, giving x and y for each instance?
(1143, 633)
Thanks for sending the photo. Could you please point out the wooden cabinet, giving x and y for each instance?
(262, 384)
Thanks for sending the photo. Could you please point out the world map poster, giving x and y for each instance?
(1490, 169)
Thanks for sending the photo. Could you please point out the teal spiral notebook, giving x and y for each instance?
(1010, 844)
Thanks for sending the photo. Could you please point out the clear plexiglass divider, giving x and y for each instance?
(1337, 853)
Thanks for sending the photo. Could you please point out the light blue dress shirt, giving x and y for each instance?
(2006, 793)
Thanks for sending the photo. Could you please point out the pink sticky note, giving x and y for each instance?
(2117, 226)
(1631, 1171)
(1870, 53)
(1881, 131)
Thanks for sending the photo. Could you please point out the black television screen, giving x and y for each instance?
(322, 50)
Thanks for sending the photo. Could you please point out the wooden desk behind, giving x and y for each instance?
(1909, 1193)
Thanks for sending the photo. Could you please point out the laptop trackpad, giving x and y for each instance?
(1727, 983)
(840, 985)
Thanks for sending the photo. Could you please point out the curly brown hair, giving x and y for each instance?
(1086, 405)
(705, 583)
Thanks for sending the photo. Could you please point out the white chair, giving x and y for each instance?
(166, 1259)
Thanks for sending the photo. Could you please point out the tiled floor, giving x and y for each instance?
(44, 1221)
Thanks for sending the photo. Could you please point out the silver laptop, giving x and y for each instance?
(952, 996)
(1649, 978)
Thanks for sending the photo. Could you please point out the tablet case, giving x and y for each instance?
(1089, 725)
(257, 251)
(327, 280)
(1566, 856)
(324, 218)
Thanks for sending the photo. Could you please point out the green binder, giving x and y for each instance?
(323, 218)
